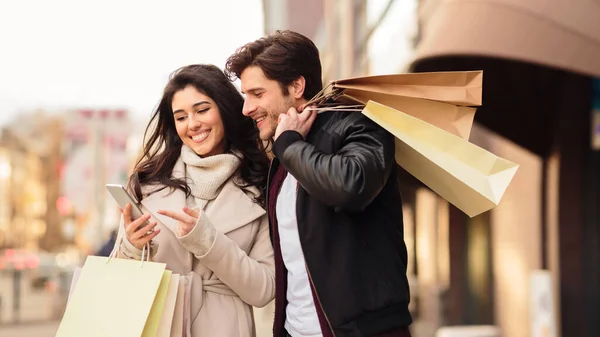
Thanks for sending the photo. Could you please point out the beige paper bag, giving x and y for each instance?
(112, 297)
(74, 279)
(469, 177)
(177, 328)
(166, 320)
(457, 120)
(154, 318)
(456, 87)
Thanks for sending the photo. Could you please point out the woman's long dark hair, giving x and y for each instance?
(163, 146)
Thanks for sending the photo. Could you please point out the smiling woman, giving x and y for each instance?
(202, 110)
(198, 122)
(201, 183)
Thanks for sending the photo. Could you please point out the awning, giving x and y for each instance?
(555, 33)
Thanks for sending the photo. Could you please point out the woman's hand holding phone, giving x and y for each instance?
(139, 231)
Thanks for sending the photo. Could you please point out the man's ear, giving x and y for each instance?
(296, 88)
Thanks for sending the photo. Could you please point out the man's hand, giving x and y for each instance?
(295, 121)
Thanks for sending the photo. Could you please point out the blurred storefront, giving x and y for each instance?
(23, 201)
(540, 59)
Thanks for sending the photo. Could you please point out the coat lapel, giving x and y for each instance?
(232, 209)
(163, 200)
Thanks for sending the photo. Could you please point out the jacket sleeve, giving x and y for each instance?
(349, 179)
(252, 275)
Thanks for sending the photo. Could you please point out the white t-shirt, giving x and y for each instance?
(301, 313)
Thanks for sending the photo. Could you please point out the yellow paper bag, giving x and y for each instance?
(469, 177)
(456, 87)
(112, 297)
(457, 120)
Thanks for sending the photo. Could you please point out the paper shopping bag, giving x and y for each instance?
(177, 328)
(112, 297)
(469, 177)
(456, 87)
(74, 279)
(166, 320)
(154, 318)
(457, 120)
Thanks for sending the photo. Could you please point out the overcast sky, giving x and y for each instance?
(112, 53)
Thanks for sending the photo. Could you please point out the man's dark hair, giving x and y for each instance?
(283, 56)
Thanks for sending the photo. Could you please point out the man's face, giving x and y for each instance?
(265, 100)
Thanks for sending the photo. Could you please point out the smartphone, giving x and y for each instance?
(119, 193)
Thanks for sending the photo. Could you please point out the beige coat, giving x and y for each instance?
(237, 270)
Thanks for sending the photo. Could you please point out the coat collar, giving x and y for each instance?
(231, 209)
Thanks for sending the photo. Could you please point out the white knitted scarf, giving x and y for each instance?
(206, 176)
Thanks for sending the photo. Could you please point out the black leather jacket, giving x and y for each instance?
(349, 214)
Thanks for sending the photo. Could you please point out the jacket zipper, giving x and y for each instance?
(312, 284)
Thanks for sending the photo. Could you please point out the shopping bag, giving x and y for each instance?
(443, 99)
(469, 177)
(457, 120)
(166, 319)
(111, 297)
(462, 88)
(177, 328)
(156, 312)
(74, 279)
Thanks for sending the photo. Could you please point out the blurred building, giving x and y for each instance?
(29, 153)
(95, 153)
(338, 28)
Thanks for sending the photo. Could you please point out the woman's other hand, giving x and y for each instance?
(186, 221)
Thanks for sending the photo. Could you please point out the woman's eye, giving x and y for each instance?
(203, 110)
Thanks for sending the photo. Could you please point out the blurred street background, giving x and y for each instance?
(79, 80)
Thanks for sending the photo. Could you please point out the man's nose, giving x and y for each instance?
(248, 108)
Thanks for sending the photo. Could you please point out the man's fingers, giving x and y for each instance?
(292, 112)
(307, 114)
(311, 117)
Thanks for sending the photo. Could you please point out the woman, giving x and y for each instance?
(201, 181)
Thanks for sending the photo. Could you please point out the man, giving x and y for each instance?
(333, 200)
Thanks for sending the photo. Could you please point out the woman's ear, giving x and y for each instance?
(296, 88)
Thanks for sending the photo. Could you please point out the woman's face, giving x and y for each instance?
(198, 122)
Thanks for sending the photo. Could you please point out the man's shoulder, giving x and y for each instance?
(342, 120)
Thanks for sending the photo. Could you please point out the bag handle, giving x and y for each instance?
(117, 247)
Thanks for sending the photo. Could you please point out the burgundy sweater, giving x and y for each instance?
(281, 272)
